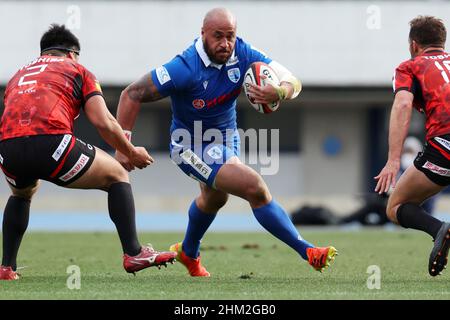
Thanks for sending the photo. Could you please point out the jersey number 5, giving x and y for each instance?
(41, 68)
(444, 72)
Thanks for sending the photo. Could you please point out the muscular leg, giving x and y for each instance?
(202, 212)
(403, 207)
(104, 172)
(107, 174)
(15, 222)
(242, 181)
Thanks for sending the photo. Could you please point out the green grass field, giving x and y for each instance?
(242, 265)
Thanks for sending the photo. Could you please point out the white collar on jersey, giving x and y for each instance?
(201, 52)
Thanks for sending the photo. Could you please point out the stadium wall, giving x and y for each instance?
(323, 42)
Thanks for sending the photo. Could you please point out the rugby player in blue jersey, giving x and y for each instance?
(203, 83)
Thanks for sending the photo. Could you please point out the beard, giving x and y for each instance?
(218, 57)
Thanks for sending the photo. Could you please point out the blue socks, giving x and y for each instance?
(275, 220)
(199, 222)
(271, 216)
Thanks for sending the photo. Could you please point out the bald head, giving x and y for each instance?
(219, 34)
(219, 16)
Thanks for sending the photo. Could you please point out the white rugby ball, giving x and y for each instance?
(253, 76)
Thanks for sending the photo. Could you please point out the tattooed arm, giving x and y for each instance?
(142, 90)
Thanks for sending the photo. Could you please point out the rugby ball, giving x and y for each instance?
(253, 76)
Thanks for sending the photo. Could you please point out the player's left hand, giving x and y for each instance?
(387, 176)
(263, 94)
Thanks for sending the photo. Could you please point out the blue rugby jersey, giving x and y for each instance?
(201, 90)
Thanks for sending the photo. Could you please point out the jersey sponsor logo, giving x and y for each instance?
(205, 84)
(78, 166)
(437, 169)
(196, 163)
(443, 142)
(27, 91)
(62, 146)
(234, 75)
(223, 98)
(163, 75)
(85, 144)
(198, 104)
(215, 152)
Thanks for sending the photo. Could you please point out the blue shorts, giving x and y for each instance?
(203, 161)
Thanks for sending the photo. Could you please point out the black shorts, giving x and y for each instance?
(60, 159)
(434, 160)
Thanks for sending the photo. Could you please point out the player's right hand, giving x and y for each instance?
(264, 94)
(140, 158)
